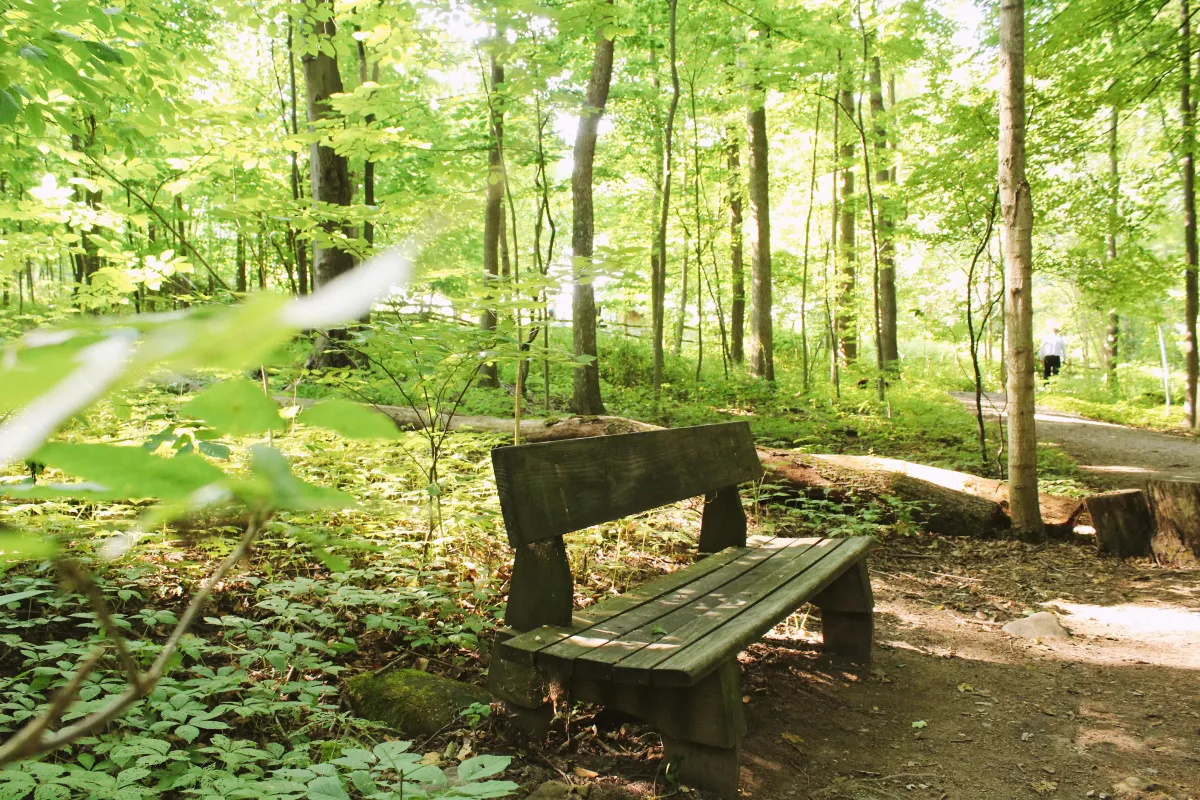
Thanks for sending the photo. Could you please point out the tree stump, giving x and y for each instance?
(1123, 521)
(1177, 515)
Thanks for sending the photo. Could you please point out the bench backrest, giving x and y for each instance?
(552, 488)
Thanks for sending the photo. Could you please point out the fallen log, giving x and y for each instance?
(952, 503)
(1176, 507)
(1123, 521)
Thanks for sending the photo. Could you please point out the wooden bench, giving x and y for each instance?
(666, 651)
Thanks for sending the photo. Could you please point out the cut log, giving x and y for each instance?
(941, 509)
(1176, 507)
(1123, 521)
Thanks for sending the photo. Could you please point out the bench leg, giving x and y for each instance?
(847, 614)
(524, 692)
(713, 769)
(702, 728)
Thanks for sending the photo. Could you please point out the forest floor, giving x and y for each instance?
(1112, 456)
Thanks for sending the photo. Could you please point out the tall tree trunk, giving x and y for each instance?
(887, 258)
(847, 313)
(1189, 216)
(1016, 205)
(1114, 220)
(583, 307)
(658, 289)
(812, 197)
(330, 176)
(367, 70)
(298, 246)
(737, 308)
(493, 216)
(240, 261)
(762, 355)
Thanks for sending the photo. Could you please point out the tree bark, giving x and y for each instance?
(298, 247)
(1123, 521)
(1016, 205)
(737, 308)
(658, 289)
(847, 316)
(240, 259)
(583, 307)
(1188, 109)
(1176, 507)
(762, 356)
(887, 257)
(1113, 337)
(493, 217)
(330, 180)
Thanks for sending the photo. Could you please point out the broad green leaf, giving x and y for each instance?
(237, 407)
(10, 109)
(480, 790)
(351, 420)
(14, 546)
(394, 755)
(17, 597)
(131, 472)
(326, 788)
(278, 487)
(187, 732)
(479, 767)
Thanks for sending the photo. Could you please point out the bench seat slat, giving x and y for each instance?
(675, 630)
(523, 649)
(593, 651)
(694, 661)
(700, 621)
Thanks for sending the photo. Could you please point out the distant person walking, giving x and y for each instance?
(1053, 351)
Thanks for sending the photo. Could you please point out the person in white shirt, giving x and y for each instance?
(1053, 351)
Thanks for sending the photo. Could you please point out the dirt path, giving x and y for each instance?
(1114, 456)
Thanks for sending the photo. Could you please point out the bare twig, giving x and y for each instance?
(31, 740)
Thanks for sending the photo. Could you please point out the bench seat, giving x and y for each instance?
(677, 629)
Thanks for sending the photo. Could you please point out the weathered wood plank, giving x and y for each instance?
(689, 664)
(524, 648)
(595, 652)
(1123, 521)
(542, 589)
(699, 622)
(550, 489)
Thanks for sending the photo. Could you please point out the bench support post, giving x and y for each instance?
(847, 614)
(541, 593)
(702, 728)
(724, 521)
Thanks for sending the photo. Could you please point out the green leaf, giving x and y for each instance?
(237, 407)
(350, 420)
(920, 724)
(482, 767)
(103, 52)
(10, 109)
(326, 788)
(480, 790)
(17, 597)
(20, 546)
(215, 450)
(187, 732)
(130, 472)
(33, 53)
(394, 755)
(277, 486)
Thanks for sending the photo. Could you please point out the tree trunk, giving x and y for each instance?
(1189, 218)
(847, 314)
(658, 289)
(365, 70)
(887, 257)
(762, 356)
(493, 218)
(298, 246)
(240, 259)
(812, 198)
(583, 306)
(330, 179)
(737, 308)
(1016, 206)
(1177, 521)
(1112, 340)
(1123, 521)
